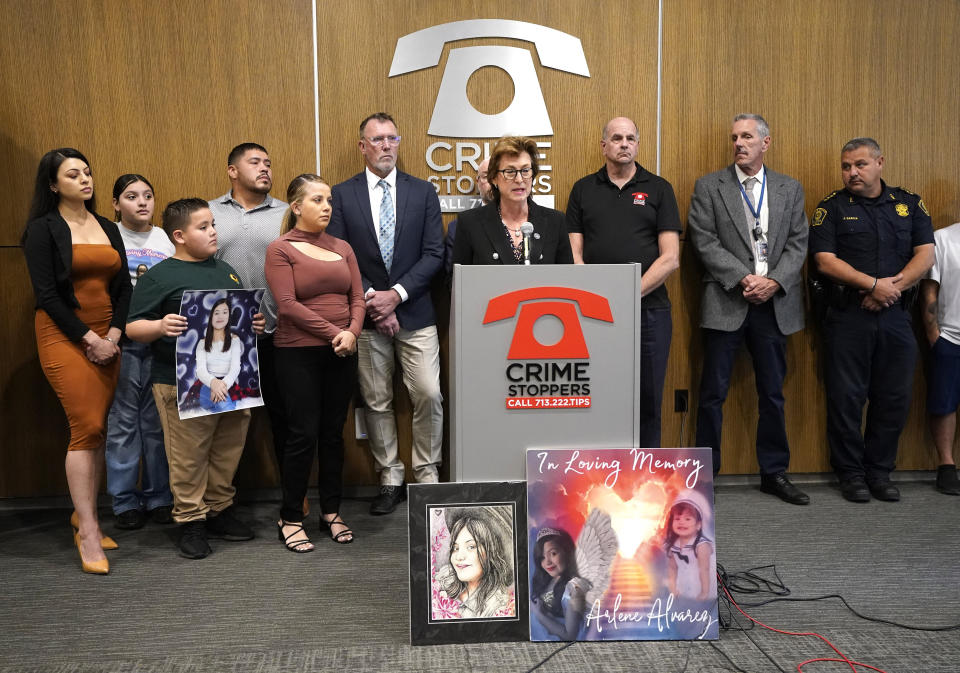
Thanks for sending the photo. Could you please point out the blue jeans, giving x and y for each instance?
(134, 434)
(215, 407)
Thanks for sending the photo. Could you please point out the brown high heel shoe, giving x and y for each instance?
(93, 567)
(107, 543)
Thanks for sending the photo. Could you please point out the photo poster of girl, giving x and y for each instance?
(217, 367)
(467, 563)
(621, 544)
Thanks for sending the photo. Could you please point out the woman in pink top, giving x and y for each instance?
(316, 282)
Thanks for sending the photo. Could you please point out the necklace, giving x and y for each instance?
(515, 232)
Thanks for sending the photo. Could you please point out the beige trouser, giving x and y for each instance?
(203, 454)
(419, 355)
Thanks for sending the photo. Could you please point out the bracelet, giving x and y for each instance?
(110, 340)
(874, 286)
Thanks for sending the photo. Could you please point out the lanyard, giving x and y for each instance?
(763, 188)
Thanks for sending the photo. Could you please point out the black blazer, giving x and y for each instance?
(480, 238)
(48, 247)
(417, 244)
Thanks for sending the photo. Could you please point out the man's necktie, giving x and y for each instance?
(388, 223)
(748, 188)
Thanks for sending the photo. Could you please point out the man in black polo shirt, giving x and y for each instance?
(624, 214)
(875, 243)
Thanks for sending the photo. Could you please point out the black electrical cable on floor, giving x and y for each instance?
(737, 581)
(550, 656)
(746, 632)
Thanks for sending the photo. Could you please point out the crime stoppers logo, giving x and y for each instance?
(458, 126)
(548, 376)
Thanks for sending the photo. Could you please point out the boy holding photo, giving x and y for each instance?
(203, 452)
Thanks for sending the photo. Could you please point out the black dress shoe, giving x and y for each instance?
(884, 490)
(388, 499)
(130, 519)
(855, 490)
(778, 485)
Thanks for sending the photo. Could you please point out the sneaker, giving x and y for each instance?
(947, 480)
(130, 519)
(227, 527)
(162, 514)
(193, 540)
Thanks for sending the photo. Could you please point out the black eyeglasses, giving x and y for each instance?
(511, 173)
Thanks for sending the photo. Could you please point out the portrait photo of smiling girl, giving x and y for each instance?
(691, 564)
(217, 367)
(468, 562)
(474, 574)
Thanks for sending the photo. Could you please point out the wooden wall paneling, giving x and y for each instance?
(621, 54)
(33, 427)
(162, 89)
(167, 89)
(821, 73)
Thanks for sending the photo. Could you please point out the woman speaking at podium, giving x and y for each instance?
(513, 229)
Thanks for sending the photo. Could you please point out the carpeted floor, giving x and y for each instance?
(254, 607)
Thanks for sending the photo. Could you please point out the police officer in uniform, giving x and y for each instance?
(872, 244)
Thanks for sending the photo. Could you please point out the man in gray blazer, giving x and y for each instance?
(749, 229)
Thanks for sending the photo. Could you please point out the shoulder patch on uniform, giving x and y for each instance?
(819, 216)
(923, 207)
(902, 210)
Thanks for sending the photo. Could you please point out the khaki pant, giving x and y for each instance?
(203, 454)
(419, 355)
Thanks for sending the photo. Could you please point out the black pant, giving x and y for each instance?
(317, 387)
(273, 398)
(656, 328)
(768, 347)
(870, 357)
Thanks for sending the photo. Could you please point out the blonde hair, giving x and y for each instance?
(295, 193)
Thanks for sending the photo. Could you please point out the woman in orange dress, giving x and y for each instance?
(77, 266)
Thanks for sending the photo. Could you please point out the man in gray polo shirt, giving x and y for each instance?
(247, 219)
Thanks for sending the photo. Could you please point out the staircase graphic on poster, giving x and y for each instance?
(630, 579)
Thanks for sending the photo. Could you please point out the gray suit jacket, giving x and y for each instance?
(720, 235)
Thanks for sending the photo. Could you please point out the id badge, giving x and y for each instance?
(762, 250)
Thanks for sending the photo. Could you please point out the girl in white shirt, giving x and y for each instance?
(218, 360)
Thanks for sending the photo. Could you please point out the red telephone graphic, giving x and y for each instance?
(525, 346)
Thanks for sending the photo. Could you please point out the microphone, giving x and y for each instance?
(527, 230)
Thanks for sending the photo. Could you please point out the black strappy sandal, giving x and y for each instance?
(296, 546)
(337, 538)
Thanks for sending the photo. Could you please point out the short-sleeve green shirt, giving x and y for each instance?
(159, 292)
